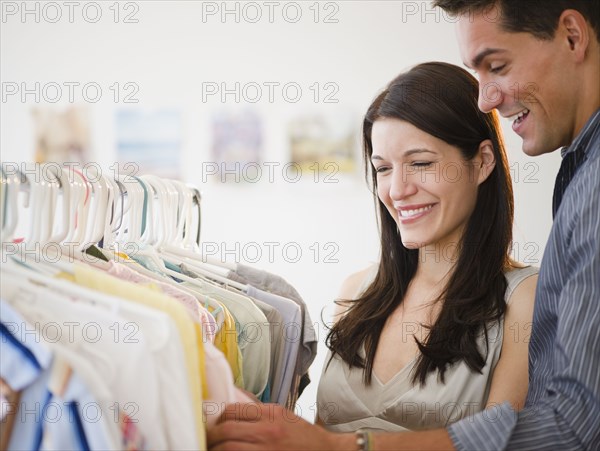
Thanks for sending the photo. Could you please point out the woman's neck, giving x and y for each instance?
(436, 264)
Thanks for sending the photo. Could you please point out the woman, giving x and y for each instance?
(438, 330)
(429, 334)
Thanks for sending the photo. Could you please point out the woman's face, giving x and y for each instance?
(426, 185)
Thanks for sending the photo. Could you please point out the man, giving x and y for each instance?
(538, 62)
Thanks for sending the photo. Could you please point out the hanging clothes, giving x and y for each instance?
(275, 284)
(168, 341)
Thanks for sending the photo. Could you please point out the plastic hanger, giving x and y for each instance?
(197, 202)
(79, 194)
(203, 269)
(140, 224)
(44, 194)
(145, 205)
(130, 230)
(170, 210)
(184, 213)
(3, 197)
(98, 209)
(197, 257)
(183, 248)
(83, 212)
(158, 202)
(10, 211)
(53, 190)
(156, 216)
(40, 204)
(115, 212)
(34, 207)
(37, 206)
(65, 190)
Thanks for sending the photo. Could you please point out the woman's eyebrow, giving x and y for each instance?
(413, 151)
(406, 153)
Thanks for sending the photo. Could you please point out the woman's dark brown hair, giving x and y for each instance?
(441, 100)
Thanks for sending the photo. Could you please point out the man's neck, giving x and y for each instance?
(589, 101)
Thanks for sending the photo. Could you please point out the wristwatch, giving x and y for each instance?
(363, 440)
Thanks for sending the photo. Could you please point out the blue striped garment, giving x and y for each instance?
(562, 410)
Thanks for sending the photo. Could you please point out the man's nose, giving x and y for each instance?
(490, 96)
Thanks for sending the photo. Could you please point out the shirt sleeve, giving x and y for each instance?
(566, 416)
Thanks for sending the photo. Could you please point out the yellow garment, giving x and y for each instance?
(66, 276)
(226, 341)
(190, 338)
(124, 256)
(201, 360)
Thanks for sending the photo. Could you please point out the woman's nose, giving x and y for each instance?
(402, 184)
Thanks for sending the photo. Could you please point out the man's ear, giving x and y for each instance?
(573, 26)
(486, 161)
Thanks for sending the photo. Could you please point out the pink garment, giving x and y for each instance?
(189, 301)
(209, 325)
(131, 437)
(121, 271)
(219, 379)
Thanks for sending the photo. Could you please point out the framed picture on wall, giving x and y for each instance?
(237, 141)
(324, 141)
(152, 139)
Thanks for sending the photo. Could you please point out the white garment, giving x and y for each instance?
(162, 336)
(107, 352)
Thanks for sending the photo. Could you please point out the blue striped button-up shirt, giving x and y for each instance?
(562, 410)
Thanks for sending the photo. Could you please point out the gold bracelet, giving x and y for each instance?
(363, 440)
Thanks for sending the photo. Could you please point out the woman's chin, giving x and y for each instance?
(413, 244)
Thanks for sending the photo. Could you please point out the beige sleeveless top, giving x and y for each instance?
(345, 404)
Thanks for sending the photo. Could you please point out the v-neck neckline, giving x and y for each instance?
(401, 371)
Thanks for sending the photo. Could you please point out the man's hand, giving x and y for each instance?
(256, 426)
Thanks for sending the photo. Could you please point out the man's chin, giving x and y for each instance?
(533, 150)
(529, 150)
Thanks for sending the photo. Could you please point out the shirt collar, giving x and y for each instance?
(581, 141)
(24, 356)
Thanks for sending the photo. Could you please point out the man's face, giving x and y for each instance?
(527, 79)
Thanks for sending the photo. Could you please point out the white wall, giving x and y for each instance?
(171, 51)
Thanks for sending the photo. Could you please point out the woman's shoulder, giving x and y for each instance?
(352, 287)
(356, 283)
(520, 278)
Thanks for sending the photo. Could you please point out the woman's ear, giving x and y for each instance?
(486, 161)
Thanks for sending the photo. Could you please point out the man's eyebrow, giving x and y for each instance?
(481, 55)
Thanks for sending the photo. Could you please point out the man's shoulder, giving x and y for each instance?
(592, 144)
(578, 216)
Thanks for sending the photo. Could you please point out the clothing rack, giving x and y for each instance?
(123, 253)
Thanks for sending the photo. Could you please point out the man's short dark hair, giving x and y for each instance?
(538, 17)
